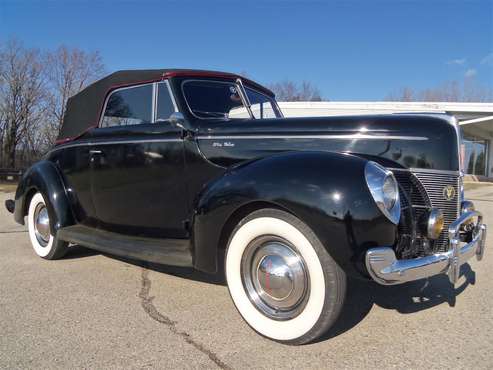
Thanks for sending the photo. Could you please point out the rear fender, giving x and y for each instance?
(45, 178)
(325, 190)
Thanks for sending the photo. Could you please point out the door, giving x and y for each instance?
(137, 164)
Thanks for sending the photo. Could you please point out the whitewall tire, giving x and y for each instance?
(281, 278)
(43, 242)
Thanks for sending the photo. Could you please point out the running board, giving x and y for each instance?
(174, 252)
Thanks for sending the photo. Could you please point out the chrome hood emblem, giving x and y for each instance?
(449, 192)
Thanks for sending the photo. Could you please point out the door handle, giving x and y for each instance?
(93, 153)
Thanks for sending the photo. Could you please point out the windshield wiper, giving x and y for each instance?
(244, 97)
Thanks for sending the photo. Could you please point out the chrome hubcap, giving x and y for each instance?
(42, 224)
(275, 277)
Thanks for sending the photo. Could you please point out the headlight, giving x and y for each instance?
(435, 223)
(384, 189)
(390, 192)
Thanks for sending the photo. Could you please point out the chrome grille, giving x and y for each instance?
(413, 189)
(414, 204)
(434, 183)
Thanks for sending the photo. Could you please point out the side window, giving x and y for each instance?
(261, 106)
(165, 106)
(130, 106)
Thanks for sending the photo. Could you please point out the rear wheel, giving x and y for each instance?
(44, 243)
(281, 278)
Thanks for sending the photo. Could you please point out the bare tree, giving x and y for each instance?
(453, 91)
(291, 91)
(22, 93)
(68, 71)
(2, 128)
(34, 89)
(403, 94)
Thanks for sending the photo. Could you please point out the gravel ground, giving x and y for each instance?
(97, 311)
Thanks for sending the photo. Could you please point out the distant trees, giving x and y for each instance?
(34, 89)
(21, 99)
(288, 90)
(467, 90)
(291, 91)
(68, 71)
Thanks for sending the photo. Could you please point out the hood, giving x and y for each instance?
(400, 140)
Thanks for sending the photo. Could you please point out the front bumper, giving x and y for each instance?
(386, 269)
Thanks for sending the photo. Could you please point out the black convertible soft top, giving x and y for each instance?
(83, 109)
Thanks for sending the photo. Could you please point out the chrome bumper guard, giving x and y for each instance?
(386, 269)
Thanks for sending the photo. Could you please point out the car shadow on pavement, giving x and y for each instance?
(361, 295)
(78, 251)
(404, 298)
(184, 272)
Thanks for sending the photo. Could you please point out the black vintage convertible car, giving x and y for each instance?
(179, 166)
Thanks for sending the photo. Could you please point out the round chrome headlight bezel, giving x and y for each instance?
(384, 190)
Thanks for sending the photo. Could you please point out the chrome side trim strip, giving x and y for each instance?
(94, 143)
(333, 137)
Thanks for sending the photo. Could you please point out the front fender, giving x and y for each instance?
(45, 178)
(325, 190)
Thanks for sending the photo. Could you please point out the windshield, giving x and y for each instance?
(218, 99)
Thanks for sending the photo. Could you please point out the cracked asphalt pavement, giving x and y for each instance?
(97, 311)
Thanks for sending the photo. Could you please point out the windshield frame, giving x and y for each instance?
(271, 99)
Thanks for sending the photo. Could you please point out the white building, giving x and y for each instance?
(475, 120)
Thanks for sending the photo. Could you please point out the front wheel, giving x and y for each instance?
(44, 243)
(281, 278)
